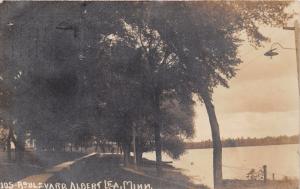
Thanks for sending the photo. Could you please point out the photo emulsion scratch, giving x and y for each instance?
(149, 94)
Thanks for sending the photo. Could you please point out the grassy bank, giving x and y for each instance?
(33, 163)
(247, 184)
(93, 169)
(110, 168)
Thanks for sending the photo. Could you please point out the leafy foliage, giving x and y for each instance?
(92, 71)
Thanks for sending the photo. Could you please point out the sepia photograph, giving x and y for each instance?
(149, 94)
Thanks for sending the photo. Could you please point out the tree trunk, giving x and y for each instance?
(96, 145)
(134, 146)
(158, 148)
(139, 155)
(120, 148)
(8, 143)
(126, 150)
(102, 146)
(139, 152)
(85, 147)
(20, 147)
(157, 130)
(8, 149)
(217, 144)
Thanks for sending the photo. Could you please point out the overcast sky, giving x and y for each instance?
(263, 98)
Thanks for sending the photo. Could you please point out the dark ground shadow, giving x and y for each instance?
(109, 167)
(33, 163)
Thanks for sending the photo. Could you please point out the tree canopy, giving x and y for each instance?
(80, 73)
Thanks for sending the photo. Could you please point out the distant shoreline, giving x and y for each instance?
(242, 146)
(244, 142)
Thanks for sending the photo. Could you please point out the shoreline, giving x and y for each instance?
(243, 146)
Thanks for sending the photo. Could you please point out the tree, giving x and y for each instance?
(147, 74)
(44, 64)
(205, 38)
(160, 75)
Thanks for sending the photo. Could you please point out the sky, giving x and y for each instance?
(263, 98)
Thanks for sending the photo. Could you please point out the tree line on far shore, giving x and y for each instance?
(236, 142)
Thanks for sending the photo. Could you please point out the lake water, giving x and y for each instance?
(282, 160)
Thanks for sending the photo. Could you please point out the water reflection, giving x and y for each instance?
(281, 160)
